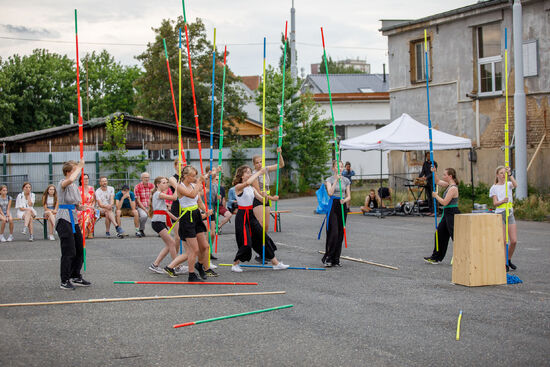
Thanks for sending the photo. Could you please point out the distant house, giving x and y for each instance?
(361, 104)
(466, 63)
(251, 126)
(151, 135)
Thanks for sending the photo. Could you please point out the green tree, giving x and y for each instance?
(117, 161)
(36, 92)
(110, 85)
(335, 67)
(154, 98)
(288, 53)
(306, 145)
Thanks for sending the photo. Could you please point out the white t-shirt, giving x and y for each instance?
(104, 197)
(500, 192)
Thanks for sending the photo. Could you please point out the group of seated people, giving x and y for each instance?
(101, 202)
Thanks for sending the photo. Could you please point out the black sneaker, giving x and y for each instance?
(170, 272)
(507, 268)
(67, 285)
(211, 273)
(259, 259)
(80, 282)
(138, 234)
(120, 235)
(142, 233)
(193, 278)
(512, 266)
(200, 269)
(212, 257)
(338, 265)
(327, 264)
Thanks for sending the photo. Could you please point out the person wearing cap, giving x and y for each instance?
(125, 202)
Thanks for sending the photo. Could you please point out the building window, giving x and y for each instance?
(489, 59)
(418, 60)
(530, 58)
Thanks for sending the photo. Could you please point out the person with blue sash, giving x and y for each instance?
(70, 234)
(333, 219)
(449, 204)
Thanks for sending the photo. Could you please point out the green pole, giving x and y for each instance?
(336, 151)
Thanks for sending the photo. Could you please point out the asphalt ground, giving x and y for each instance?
(356, 315)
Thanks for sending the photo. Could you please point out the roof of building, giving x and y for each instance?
(251, 81)
(347, 83)
(392, 25)
(58, 130)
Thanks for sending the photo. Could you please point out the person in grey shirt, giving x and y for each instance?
(66, 225)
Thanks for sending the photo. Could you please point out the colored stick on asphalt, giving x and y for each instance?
(192, 283)
(231, 316)
(336, 150)
(271, 267)
(281, 116)
(430, 133)
(80, 131)
(364, 262)
(220, 150)
(154, 298)
(458, 325)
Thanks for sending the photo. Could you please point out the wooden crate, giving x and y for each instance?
(478, 250)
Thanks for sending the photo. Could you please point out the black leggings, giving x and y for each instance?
(254, 237)
(335, 233)
(445, 230)
(72, 252)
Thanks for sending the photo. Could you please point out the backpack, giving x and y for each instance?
(323, 200)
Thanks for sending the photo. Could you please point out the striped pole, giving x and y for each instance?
(231, 316)
(80, 132)
(212, 134)
(430, 133)
(271, 267)
(190, 283)
(281, 116)
(220, 149)
(181, 156)
(506, 137)
(336, 150)
(263, 162)
(196, 114)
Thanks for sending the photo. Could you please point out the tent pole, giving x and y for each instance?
(472, 175)
(380, 168)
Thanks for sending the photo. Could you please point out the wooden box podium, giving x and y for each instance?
(478, 250)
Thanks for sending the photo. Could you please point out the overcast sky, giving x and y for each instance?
(350, 26)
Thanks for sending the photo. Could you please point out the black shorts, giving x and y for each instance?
(175, 208)
(188, 229)
(256, 203)
(158, 226)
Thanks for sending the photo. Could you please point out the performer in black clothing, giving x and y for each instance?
(427, 172)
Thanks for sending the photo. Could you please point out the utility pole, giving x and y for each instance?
(293, 66)
(520, 129)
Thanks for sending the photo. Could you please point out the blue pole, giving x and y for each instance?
(430, 133)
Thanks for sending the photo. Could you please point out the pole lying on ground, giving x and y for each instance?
(271, 267)
(191, 283)
(263, 163)
(336, 150)
(154, 298)
(430, 133)
(220, 150)
(231, 316)
(80, 133)
(281, 116)
(458, 325)
(364, 261)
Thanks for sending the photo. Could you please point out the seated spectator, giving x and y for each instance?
(51, 206)
(86, 217)
(143, 192)
(105, 198)
(24, 204)
(372, 201)
(5, 215)
(125, 202)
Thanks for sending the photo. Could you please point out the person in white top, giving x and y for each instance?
(501, 201)
(105, 198)
(51, 206)
(24, 205)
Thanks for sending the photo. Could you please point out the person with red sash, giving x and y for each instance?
(161, 220)
(248, 230)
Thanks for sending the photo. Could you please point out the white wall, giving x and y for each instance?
(358, 111)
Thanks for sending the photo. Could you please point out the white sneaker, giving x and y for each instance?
(280, 266)
(52, 238)
(213, 266)
(2, 238)
(24, 231)
(156, 269)
(236, 269)
(10, 238)
(181, 269)
(31, 238)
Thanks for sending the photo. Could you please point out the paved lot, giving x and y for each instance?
(357, 315)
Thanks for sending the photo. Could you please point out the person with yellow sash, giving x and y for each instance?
(191, 227)
(503, 199)
(449, 204)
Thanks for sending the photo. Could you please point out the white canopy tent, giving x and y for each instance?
(405, 133)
